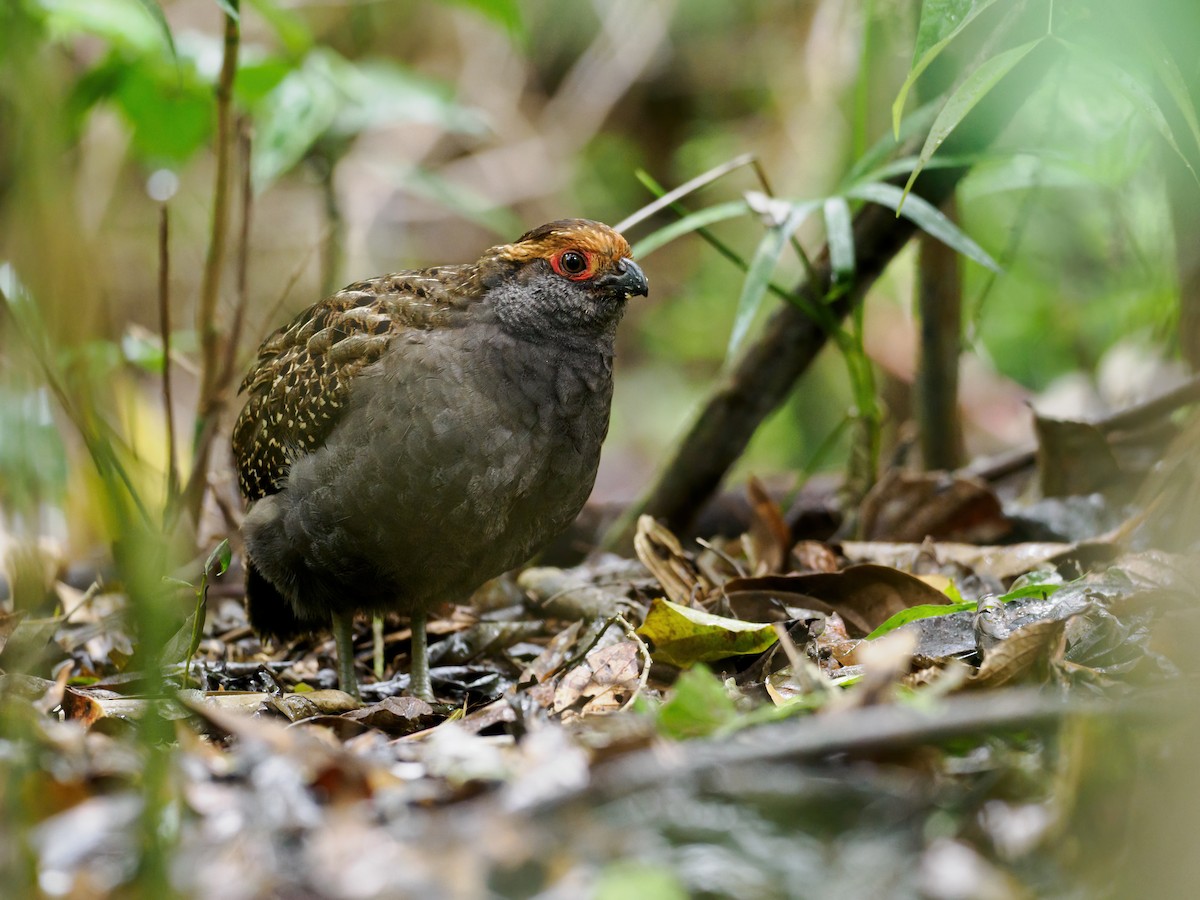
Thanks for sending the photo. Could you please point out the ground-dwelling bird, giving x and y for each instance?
(416, 434)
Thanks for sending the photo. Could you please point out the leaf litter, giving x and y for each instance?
(745, 717)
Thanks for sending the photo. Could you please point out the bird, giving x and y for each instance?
(416, 434)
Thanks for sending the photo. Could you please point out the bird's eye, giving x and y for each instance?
(573, 263)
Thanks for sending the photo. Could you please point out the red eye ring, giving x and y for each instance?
(573, 264)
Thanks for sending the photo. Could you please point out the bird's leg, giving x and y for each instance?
(343, 637)
(419, 685)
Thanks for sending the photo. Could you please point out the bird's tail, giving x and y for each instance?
(270, 612)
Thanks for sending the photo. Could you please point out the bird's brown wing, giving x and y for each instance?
(298, 387)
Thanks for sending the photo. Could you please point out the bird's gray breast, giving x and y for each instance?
(460, 455)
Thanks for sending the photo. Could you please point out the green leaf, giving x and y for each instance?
(1172, 79)
(329, 95)
(291, 119)
(758, 276)
(916, 122)
(156, 13)
(941, 22)
(839, 235)
(291, 30)
(689, 223)
(1139, 95)
(930, 610)
(506, 13)
(974, 88)
(218, 561)
(230, 8)
(123, 23)
(683, 636)
(927, 217)
(924, 611)
(169, 109)
(698, 706)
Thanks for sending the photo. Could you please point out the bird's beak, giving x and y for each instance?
(631, 278)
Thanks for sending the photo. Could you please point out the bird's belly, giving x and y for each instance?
(447, 485)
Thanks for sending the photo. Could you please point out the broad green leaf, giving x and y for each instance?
(683, 636)
(758, 276)
(974, 88)
(168, 108)
(689, 223)
(291, 30)
(839, 235)
(292, 118)
(626, 878)
(927, 217)
(941, 22)
(697, 706)
(143, 350)
(1139, 95)
(123, 23)
(506, 13)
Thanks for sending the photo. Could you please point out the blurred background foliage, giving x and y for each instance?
(384, 135)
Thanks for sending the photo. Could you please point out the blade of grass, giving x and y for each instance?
(925, 216)
(929, 56)
(689, 223)
(974, 88)
(758, 275)
(669, 198)
(839, 235)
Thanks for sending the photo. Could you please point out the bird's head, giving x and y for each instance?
(564, 281)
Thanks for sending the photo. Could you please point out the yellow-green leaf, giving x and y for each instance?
(682, 636)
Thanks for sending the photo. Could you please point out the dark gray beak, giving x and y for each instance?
(631, 278)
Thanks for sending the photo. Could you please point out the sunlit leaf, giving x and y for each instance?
(229, 7)
(924, 611)
(683, 636)
(839, 235)
(689, 223)
(941, 22)
(925, 216)
(974, 88)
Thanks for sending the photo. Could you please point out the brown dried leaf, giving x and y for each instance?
(769, 539)
(1027, 653)
(395, 715)
(314, 703)
(912, 506)
(865, 596)
(661, 553)
(814, 556)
